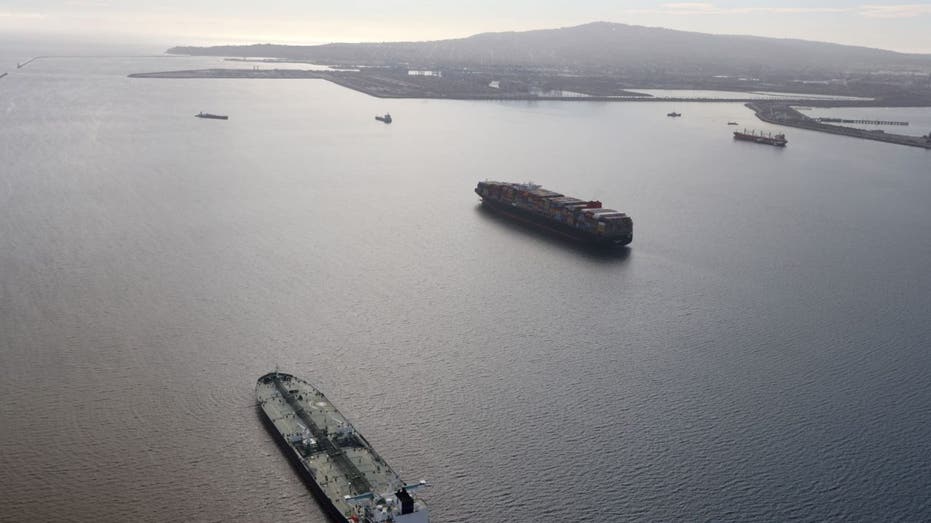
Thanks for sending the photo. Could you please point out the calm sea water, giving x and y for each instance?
(760, 352)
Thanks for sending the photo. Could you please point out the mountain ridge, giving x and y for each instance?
(605, 46)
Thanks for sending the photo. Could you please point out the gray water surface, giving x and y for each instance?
(760, 352)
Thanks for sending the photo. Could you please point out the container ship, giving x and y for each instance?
(350, 480)
(585, 221)
(779, 140)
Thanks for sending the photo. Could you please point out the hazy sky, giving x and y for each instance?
(875, 23)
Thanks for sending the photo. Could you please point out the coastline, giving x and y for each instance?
(381, 86)
(778, 112)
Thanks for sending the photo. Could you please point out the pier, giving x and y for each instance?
(781, 113)
(861, 122)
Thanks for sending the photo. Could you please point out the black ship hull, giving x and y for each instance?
(760, 139)
(295, 459)
(553, 227)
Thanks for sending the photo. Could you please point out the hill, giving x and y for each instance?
(600, 46)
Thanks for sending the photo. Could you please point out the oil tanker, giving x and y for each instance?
(350, 480)
(779, 140)
(580, 220)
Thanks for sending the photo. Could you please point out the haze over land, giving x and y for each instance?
(886, 24)
(608, 60)
(601, 46)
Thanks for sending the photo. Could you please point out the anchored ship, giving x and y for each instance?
(350, 480)
(212, 116)
(778, 140)
(580, 220)
(386, 118)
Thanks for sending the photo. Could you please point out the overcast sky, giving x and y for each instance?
(889, 25)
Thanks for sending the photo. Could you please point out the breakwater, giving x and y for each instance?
(781, 113)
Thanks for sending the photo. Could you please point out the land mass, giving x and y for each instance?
(600, 47)
(603, 61)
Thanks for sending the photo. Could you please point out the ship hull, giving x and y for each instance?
(760, 139)
(542, 223)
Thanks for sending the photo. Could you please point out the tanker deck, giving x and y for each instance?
(350, 480)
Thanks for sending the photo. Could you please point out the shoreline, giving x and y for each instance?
(777, 112)
(381, 87)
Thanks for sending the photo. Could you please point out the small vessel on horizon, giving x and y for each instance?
(779, 140)
(211, 116)
(673, 114)
(386, 118)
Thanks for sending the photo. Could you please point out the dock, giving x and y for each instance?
(859, 122)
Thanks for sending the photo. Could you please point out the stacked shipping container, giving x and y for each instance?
(587, 218)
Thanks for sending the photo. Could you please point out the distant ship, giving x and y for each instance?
(779, 140)
(673, 114)
(350, 480)
(386, 118)
(584, 221)
(212, 116)
(732, 123)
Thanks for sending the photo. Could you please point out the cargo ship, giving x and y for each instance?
(779, 140)
(580, 220)
(212, 116)
(350, 480)
(386, 118)
(673, 114)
